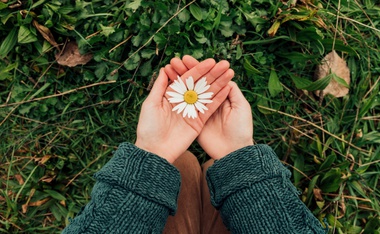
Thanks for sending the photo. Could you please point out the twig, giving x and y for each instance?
(58, 95)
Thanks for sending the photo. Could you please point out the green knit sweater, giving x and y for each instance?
(137, 190)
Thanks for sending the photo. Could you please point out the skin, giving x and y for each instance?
(166, 133)
(230, 127)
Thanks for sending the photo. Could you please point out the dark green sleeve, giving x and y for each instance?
(252, 190)
(134, 193)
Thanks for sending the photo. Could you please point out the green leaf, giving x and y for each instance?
(160, 39)
(340, 81)
(331, 180)
(311, 187)
(333, 221)
(25, 35)
(8, 43)
(320, 84)
(56, 195)
(299, 164)
(328, 162)
(249, 68)
(184, 16)
(274, 84)
(3, 5)
(133, 5)
(196, 12)
(106, 31)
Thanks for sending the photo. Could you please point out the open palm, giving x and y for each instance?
(168, 134)
(230, 127)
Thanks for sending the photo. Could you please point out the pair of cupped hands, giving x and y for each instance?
(225, 127)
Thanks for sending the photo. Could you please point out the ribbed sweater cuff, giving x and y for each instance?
(242, 168)
(143, 173)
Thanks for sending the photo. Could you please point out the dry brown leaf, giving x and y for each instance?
(45, 32)
(19, 179)
(317, 194)
(40, 202)
(71, 57)
(332, 63)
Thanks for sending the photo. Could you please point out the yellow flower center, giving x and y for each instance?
(190, 97)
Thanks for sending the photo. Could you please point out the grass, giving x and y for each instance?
(59, 125)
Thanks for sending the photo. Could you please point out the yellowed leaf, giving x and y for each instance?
(71, 56)
(19, 179)
(40, 202)
(317, 194)
(45, 32)
(332, 63)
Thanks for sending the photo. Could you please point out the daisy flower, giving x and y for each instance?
(190, 97)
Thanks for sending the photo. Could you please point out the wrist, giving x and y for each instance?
(232, 148)
(155, 150)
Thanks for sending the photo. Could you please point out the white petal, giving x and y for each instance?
(202, 89)
(200, 85)
(174, 94)
(180, 107)
(205, 95)
(200, 107)
(181, 84)
(192, 113)
(186, 109)
(175, 100)
(204, 100)
(190, 83)
(177, 87)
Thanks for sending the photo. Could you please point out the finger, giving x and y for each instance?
(159, 87)
(200, 70)
(216, 102)
(221, 81)
(172, 74)
(189, 61)
(178, 66)
(235, 96)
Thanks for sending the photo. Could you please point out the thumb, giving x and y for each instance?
(235, 96)
(159, 87)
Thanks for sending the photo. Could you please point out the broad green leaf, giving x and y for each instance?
(320, 84)
(311, 187)
(299, 164)
(184, 16)
(3, 5)
(160, 39)
(133, 5)
(106, 31)
(25, 35)
(340, 81)
(274, 84)
(239, 52)
(333, 221)
(56, 195)
(196, 12)
(372, 225)
(249, 68)
(328, 162)
(331, 180)
(8, 43)
(358, 188)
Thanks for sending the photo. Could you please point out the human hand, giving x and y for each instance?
(230, 127)
(166, 133)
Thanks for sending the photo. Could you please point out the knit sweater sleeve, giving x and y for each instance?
(134, 193)
(252, 190)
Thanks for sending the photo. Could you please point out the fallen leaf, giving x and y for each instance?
(71, 56)
(333, 64)
(40, 202)
(19, 179)
(317, 194)
(45, 32)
